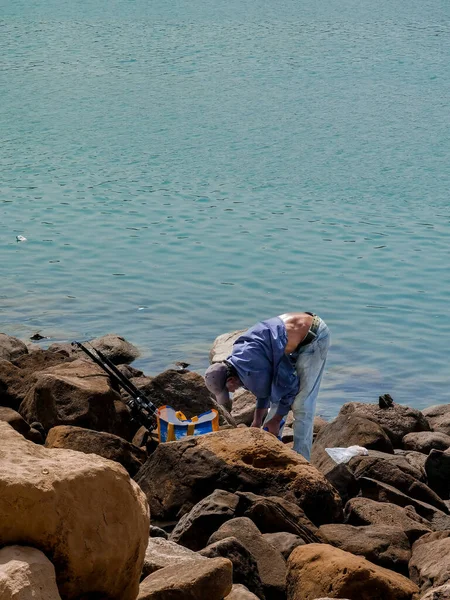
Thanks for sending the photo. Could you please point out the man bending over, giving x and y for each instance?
(281, 361)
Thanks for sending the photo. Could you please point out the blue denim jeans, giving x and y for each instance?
(309, 365)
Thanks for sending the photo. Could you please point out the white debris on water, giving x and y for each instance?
(21, 238)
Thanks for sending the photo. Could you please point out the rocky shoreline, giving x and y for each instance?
(93, 508)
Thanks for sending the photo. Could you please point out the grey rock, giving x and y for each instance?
(438, 417)
(116, 348)
(11, 347)
(240, 592)
(223, 345)
(284, 542)
(158, 532)
(243, 407)
(163, 553)
(425, 441)
(430, 561)
(438, 593)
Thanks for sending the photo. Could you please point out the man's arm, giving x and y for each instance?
(258, 417)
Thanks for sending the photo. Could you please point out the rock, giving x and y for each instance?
(66, 349)
(437, 467)
(14, 419)
(271, 564)
(319, 423)
(344, 481)
(195, 528)
(347, 430)
(382, 492)
(406, 462)
(438, 417)
(388, 472)
(243, 407)
(315, 570)
(362, 511)
(425, 441)
(439, 593)
(82, 511)
(163, 553)
(396, 421)
(383, 545)
(179, 474)
(182, 391)
(240, 592)
(273, 514)
(140, 438)
(74, 393)
(104, 444)
(209, 579)
(288, 435)
(34, 435)
(11, 347)
(283, 542)
(116, 348)
(223, 345)
(430, 561)
(26, 573)
(245, 567)
(157, 532)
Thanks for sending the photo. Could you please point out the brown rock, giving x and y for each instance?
(438, 417)
(223, 345)
(243, 407)
(437, 467)
(430, 561)
(14, 419)
(240, 592)
(315, 570)
(179, 474)
(11, 347)
(271, 564)
(73, 393)
(382, 492)
(104, 444)
(388, 472)
(26, 573)
(163, 553)
(245, 567)
(82, 511)
(426, 441)
(284, 542)
(347, 430)
(209, 579)
(362, 511)
(116, 348)
(406, 462)
(439, 593)
(397, 420)
(319, 423)
(383, 545)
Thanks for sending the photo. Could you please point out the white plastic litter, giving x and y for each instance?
(343, 455)
(21, 238)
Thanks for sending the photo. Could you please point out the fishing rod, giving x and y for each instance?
(142, 409)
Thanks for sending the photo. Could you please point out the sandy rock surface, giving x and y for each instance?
(204, 579)
(82, 510)
(180, 474)
(317, 570)
(26, 574)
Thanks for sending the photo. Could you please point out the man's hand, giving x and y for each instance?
(273, 426)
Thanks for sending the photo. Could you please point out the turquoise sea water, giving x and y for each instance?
(184, 169)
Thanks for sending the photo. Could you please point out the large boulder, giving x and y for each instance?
(437, 467)
(388, 472)
(383, 545)
(73, 393)
(438, 417)
(163, 553)
(362, 511)
(383, 492)
(406, 462)
(271, 564)
(82, 511)
(104, 444)
(179, 474)
(348, 430)
(25, 574)
(115, 348)
(11, 347)
(245, 567)
(430, 561)
(317, 570)
(426, 441)
(396, 420)
(211, 579)
(223, 345)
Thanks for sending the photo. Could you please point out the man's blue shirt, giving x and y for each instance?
(263, 367)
